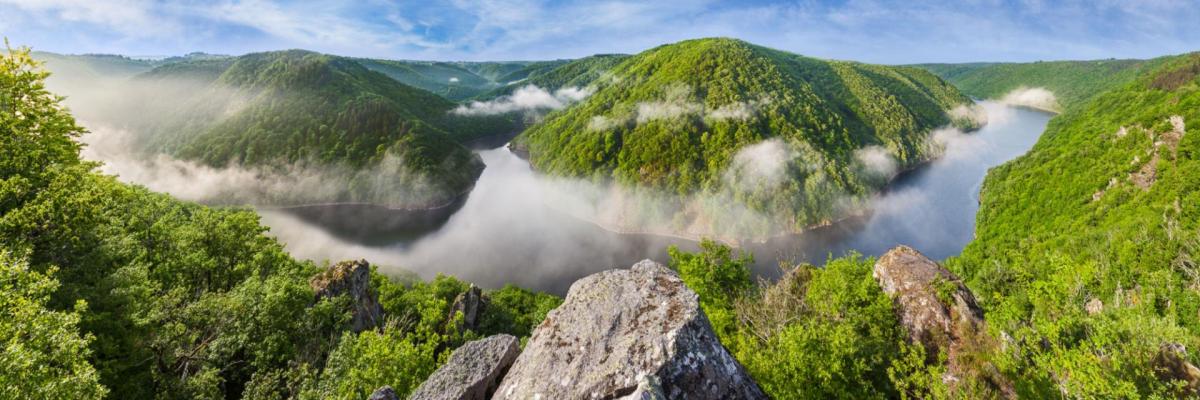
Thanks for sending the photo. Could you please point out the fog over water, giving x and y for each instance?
(510, 228)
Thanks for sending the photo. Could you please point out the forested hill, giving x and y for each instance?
(673, 119)
(1072, 82)
(557, 75)
(1088, 243)
(453, 80)
(110, 290)
(278, 109)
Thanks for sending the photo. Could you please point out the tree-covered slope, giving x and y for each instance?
(1086, 247)
(108, 288)
(777, 132)
(1072, 82)
(552, 75)
(452, 81)
(280, 109)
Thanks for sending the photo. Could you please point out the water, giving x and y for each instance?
(508, 229)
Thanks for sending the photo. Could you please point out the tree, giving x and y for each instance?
(44, 355)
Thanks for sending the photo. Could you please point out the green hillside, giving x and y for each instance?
(453, 81)
(108, 290)
(556, 75)
(503, 72)
(1072, 82)
(280, 109)
(1086, 247)
(674, 118)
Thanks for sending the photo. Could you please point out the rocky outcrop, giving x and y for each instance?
(352, 278)
(473, 371)
(470, 303)
(636, 332)
(939, 312)
(931, 302)
(1171, 365)
(384, 393)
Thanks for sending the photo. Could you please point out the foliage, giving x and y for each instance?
(673, 118)
(816, 333)
(718, 277)
(364, 362)
(289, 109)
(1085, 247)
(1072, 82)
(44, 356)
(182, 300)
(557, 75)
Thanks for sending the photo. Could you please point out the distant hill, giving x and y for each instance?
(462, 80)
(1072, 82)
(554, 75)
(776, 132)
(277, 110)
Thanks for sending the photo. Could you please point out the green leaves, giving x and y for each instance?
(44, 354)
(673, 119)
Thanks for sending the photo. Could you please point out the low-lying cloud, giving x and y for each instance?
(389, 182)
(679, 101)
(1036, 97)
(529, 98)
(877, 160)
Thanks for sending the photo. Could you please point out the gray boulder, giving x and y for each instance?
(384, 393)
(352, 278)
(940, 312)
(1171, 365)
(473, 371)
(470, 303)
(637, 332)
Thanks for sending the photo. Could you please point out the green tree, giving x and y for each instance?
(44, 354)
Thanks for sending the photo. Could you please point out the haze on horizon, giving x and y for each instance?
(877, 31)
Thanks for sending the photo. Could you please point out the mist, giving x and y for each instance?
(388, 182)
(533, 230)
(515, 227)
(1036, 97)
(528, 98)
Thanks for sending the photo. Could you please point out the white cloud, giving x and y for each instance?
(763, 163)
(1037, 97)
(877, 160)
(129, 17)
(526, 98)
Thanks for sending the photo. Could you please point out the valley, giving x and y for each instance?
(518, 222)
(394, 215)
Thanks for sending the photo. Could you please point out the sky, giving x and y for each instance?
(878, 31)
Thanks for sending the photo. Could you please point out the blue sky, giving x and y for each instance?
(868, 30)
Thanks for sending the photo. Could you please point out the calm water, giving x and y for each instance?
(508, 229)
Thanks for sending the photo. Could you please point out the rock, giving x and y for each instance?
(470, 303)
(648, 389)
(1094, 306)
(1171, 365)
(351, 278)
(619, 332)
(930, 301)
(473, 371)
(384, 393)
(939, 312)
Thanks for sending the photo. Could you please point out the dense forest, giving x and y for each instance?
(110, 290)
(674, 119)
(553, 76)
(291, 109)
(1084, 260)
(1084, 263)
(1072, 82)
(1087, 244)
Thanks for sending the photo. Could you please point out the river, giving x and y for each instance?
(509, 229)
